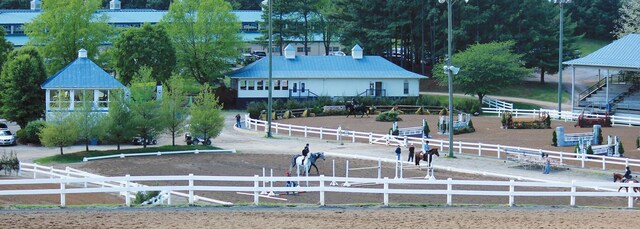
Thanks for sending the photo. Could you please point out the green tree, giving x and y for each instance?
(173, 110)
(145, 107)
(595, 18)
(5, 48)
(146, 46)
(204, 43)
(66, 26)
(60, 132)
(206, 115)
(485, 68)
(325, 25)
(21, 98)
(629, 21)
(117, 124)
(88, 120)
(14, 4)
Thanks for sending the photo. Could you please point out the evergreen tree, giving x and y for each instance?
(629, 21)
(146, 118)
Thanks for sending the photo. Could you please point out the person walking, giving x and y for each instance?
(547, 164)
(411, 152)
(398, 151)
(238, 121)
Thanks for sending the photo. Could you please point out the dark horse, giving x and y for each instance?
(617, 176)
(308, 162)
(423, 156)
(357, 109)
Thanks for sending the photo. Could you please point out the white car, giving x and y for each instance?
(7, 138)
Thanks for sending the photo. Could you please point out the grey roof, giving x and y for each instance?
(620, 54)
(81, 73)
(325, 67)
(119, 16)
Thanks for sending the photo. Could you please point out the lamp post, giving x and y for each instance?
(270, 99)
(561, 3)
(449, 69)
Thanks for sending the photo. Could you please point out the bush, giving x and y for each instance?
(254, 109)
(554, 139)
(31, 133)
(600, 139)
(21, 134)
(621, 150)
(141, 197)
(638, 142)
(388, 116)
(589, 150)
(9, 162)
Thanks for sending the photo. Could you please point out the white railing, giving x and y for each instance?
(495, 103)
(448, 187)
(564, 115)
(71, 173)
(123, 155)
(459, 147)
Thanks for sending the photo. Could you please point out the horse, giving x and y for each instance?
(617, 176)
(429, 159)
(356, 109)
(308, 162)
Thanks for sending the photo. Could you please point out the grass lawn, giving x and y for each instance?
(587, 46)
(79, 156)
(534, 90)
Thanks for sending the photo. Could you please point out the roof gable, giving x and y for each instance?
(81, 73)
(622, 54)
(324, 67)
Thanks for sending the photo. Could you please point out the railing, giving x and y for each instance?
(319, 185)
(564, 115)
(299, 93)
(123, 155)
(586, 93)
(468, 148)
(495, 103)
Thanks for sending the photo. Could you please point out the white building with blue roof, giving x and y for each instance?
(334, 76)
(80, 79)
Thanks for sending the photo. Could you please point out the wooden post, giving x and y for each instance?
(127, 197)
(512, 201)
(573, 193)
(449, 189)
(63, 201)
(256, 186)
(190, 188)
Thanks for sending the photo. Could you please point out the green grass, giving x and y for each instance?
(526, 106)
(79, 156)
(587, 46)
(534, 90)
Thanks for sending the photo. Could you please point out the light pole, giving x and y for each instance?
(561, 3)
(450, 69)
(270, 99)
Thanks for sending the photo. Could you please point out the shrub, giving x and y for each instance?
(554, 139)
(426, 129)
(621, 149)
(589, 150)
(141, 197)
(600, 137)
(388, 116)
(31, 133)
(9, 162)
(21, 134)
(254, 109)
(443, 112)
(575, 149)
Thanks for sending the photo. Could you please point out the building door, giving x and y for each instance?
(378, 89)
(299, 89)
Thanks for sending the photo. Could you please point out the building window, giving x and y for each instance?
(334, 49)
(103, 98)
(54, 99)
(243, 85)
(406, 87)
(82, 96)
(284, 84)
(260, 85)
(276, 85)
(250, 85)
(301, 49)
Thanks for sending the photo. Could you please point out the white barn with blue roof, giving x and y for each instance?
(80, 79)
(334, 76)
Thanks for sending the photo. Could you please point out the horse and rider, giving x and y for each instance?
(306, 160)
(626, 178)
(354, 108)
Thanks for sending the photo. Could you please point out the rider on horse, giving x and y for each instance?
(305, 152)
(627, 175)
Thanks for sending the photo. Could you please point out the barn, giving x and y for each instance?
(302, 77)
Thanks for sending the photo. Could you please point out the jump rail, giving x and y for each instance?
(564, 115)
(459, 147)
(436, 187)
(123, 155)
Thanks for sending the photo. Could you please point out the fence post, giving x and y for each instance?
(626, 163)
(479, 149)
(460, 147)
(405, 140)
(127, 197)
(386, 191)
(305, 131)
(449, 189)
(512, 189)
(573, 193)
(561, 159)
(51, 172)
(338, 133)
(190, 188)
(35, 169)
(63, 201)
(256, 126)
(322, 190)
(370, 137)
(441, 146)
(584, 155)
(256, 186)
(353, 137)
(604, 162)
(630, 198)
(499, 151)
(321, 133)
(277, 127)
(168, 197)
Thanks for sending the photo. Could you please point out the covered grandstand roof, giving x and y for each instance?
(622, 54)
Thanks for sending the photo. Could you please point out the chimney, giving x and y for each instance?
(114, 5)
(36, 5)
(82, 53)
(356, 52)
(289, 52)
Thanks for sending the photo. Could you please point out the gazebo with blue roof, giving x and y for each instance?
(80, 79)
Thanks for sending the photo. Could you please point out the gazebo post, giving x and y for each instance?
(573, 86)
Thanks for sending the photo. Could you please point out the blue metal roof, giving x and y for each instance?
(81, 73)
(324, 67)
(9, 17)
(620, 54)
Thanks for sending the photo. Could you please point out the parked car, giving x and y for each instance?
(259, 54)
(140, 140)
(7, 138)
(3, 126)
(190, 140)
(337, 53)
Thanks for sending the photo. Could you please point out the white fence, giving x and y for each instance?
(459, 147)
(157, 154)
(495, 103)
(448, 187)
(564, 115)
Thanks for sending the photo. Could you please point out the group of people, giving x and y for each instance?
(412, 153)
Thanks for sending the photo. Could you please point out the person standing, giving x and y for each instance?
(398, 151)
(238, 121)
(547, 164)
(411, 152)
